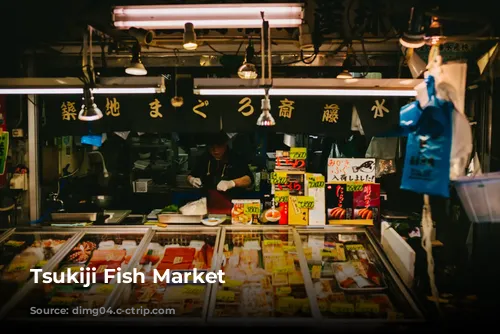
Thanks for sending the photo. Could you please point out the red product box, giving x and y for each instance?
(338, 202)
(366, 202)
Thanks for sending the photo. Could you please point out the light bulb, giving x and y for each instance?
(247, 71)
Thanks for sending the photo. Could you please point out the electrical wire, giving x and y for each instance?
(214, 50)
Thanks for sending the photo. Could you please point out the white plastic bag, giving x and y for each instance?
(196, 208)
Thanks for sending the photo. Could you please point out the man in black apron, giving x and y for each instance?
(221, 173)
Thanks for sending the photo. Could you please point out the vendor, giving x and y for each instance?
(221, 173)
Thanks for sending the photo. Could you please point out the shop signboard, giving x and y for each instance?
(351, 170)
(320, 115)
(379, 114)
(140, 113)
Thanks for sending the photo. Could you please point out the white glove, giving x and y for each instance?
(195, 182)
(225, 185)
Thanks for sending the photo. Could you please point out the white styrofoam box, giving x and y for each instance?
(480, 196)
(399, 252)
(317, 215)
(142, 185)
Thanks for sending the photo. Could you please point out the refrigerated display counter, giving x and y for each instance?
(110, 248)
(266, 278)
(178, 249)
(24, 249)
(5, 232)
(352, 279)
(273, 275)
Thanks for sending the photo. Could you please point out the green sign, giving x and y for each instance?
(4, 150)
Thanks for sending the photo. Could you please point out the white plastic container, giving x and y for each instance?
(480, 197)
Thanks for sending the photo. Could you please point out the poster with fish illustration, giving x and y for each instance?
(351, 170)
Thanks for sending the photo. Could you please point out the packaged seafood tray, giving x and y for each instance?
(99, 249)
(263, 277)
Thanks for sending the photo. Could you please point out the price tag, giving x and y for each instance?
(229, 283)
(323, 306)
(316, 272)
(105, 289)
(74, 269)
(225, 296)
(367, 308)
(341, 308)
(308, 253)
(273, 243)
(328, 252)
(279, 178)
(298, 153)
(15, 267)
(316, 181)
(350, 247)
(305, 202)
(284, 304)
(251, 208)
(193, 289)
(283, 291)
(353, 186)
(283, 270)
(41, 263)
(281, 196)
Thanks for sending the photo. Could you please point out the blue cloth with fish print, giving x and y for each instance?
(427, 162)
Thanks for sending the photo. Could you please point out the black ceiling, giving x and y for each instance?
(26, 24)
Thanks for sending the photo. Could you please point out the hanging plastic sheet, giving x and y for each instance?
(427, 161)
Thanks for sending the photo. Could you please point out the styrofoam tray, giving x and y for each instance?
(176, 218)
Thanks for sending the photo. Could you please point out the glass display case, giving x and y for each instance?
(5, 232)
(109, 248)
(266, 279)
(178, 249)
(352, 279)
(24, 249)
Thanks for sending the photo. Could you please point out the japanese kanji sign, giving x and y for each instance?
(320, 115)
(379, 115)
(4, 149)
(141, 113)
(351, 170)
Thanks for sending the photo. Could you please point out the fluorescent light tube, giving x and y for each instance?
(211, 16)
(40, 91)
(341, 92)
(208, 24)
(227, 10)
(126, 90)
(304, 92)
(230, 91)
(70, 91)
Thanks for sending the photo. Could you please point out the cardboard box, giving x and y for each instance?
(315, 187)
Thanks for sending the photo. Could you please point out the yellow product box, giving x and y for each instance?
(315, 187)
(296, 214)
